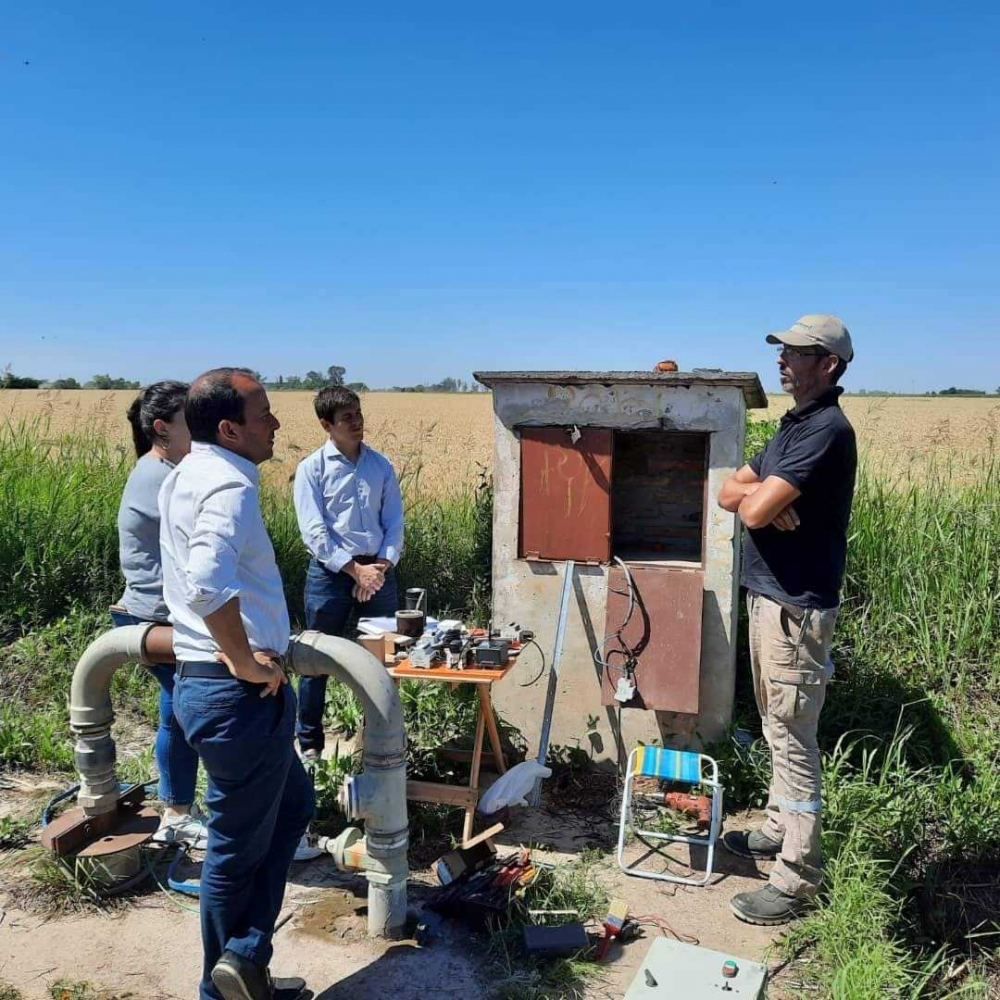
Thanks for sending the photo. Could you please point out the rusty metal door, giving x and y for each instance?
(664, 633)
(565, 494)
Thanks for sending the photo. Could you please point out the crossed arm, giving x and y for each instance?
(760, 502)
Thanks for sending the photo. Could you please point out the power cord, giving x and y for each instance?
(602, 655)
(538, 676)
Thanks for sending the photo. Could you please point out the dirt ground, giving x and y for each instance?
(150, 949)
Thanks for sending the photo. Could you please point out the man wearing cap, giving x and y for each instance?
(794, 498)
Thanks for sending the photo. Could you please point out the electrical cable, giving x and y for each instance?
(166, 892)
(55, 800)
(541, 653)
(649, 919)
(601, 658)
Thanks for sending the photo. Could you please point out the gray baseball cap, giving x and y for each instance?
(817, 330)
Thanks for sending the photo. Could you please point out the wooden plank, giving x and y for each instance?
(460, 756)
(665, 632)
(565, 493)
(480, 837)
(439, 794)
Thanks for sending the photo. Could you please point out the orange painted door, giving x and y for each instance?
(565, 494)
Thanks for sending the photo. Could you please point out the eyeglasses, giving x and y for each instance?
(785, 350)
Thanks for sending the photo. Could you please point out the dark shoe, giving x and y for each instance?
(768, 906)
(288, 988)
(751, 844)
(237, 978)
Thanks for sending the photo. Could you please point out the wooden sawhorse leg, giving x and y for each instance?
(477, 757)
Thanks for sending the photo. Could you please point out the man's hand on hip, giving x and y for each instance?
(263, 667)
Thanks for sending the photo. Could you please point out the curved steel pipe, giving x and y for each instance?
(90, 712)
(377, 795)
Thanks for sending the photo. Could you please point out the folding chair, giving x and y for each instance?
(671, 765)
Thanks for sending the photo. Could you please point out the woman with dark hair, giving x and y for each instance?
(161, 439)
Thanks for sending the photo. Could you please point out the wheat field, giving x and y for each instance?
(443, 440)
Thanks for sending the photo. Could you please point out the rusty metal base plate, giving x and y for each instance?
(73, 832)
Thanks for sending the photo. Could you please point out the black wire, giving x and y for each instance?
(541, 653)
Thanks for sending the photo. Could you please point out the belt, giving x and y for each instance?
(215, 671)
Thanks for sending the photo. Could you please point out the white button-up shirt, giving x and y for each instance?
(215, 547)
(348, 509)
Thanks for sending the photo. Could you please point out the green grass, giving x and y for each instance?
(911, 782)
(515, 976)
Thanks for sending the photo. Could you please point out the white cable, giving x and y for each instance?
(599, 656)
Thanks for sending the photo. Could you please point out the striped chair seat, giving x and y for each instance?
(669, 765)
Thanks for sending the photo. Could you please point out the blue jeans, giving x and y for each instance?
(329, 607)
(175, 760)
(259, 801)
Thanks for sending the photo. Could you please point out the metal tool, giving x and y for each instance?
(550, 694)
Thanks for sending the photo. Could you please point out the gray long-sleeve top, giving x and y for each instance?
(139, 539)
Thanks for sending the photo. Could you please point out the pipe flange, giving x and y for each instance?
(382, 845)
(384, 761)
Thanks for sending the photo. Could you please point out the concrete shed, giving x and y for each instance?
(618, 471)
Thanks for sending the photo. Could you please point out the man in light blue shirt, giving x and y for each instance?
(350, 514)
(231, 697)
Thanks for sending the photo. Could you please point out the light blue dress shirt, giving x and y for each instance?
(346, 509)
(214, 547)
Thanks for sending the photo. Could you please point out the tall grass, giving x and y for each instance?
(923, 581)
(58, 541)
(59, 544)
(910, 781)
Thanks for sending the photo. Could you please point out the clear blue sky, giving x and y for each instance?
(425, 188)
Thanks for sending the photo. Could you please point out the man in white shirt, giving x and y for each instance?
(231, 695)
(350, 515)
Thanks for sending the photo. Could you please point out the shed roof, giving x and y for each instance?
(749, 382)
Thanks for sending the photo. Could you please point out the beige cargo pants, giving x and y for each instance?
(789, 650)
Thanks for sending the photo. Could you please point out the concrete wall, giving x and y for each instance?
(529, 592)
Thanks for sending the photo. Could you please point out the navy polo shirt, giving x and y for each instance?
(814, 450)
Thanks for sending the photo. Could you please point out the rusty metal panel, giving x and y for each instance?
(664, 632)
(565, 494)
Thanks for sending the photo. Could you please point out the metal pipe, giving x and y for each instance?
(90, 712)
(377, 795)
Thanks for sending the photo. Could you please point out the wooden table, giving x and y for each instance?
(463, 796)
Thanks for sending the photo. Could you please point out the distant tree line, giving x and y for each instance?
(445, 385)
(953, 391)
(312, 380)
(8, 380)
